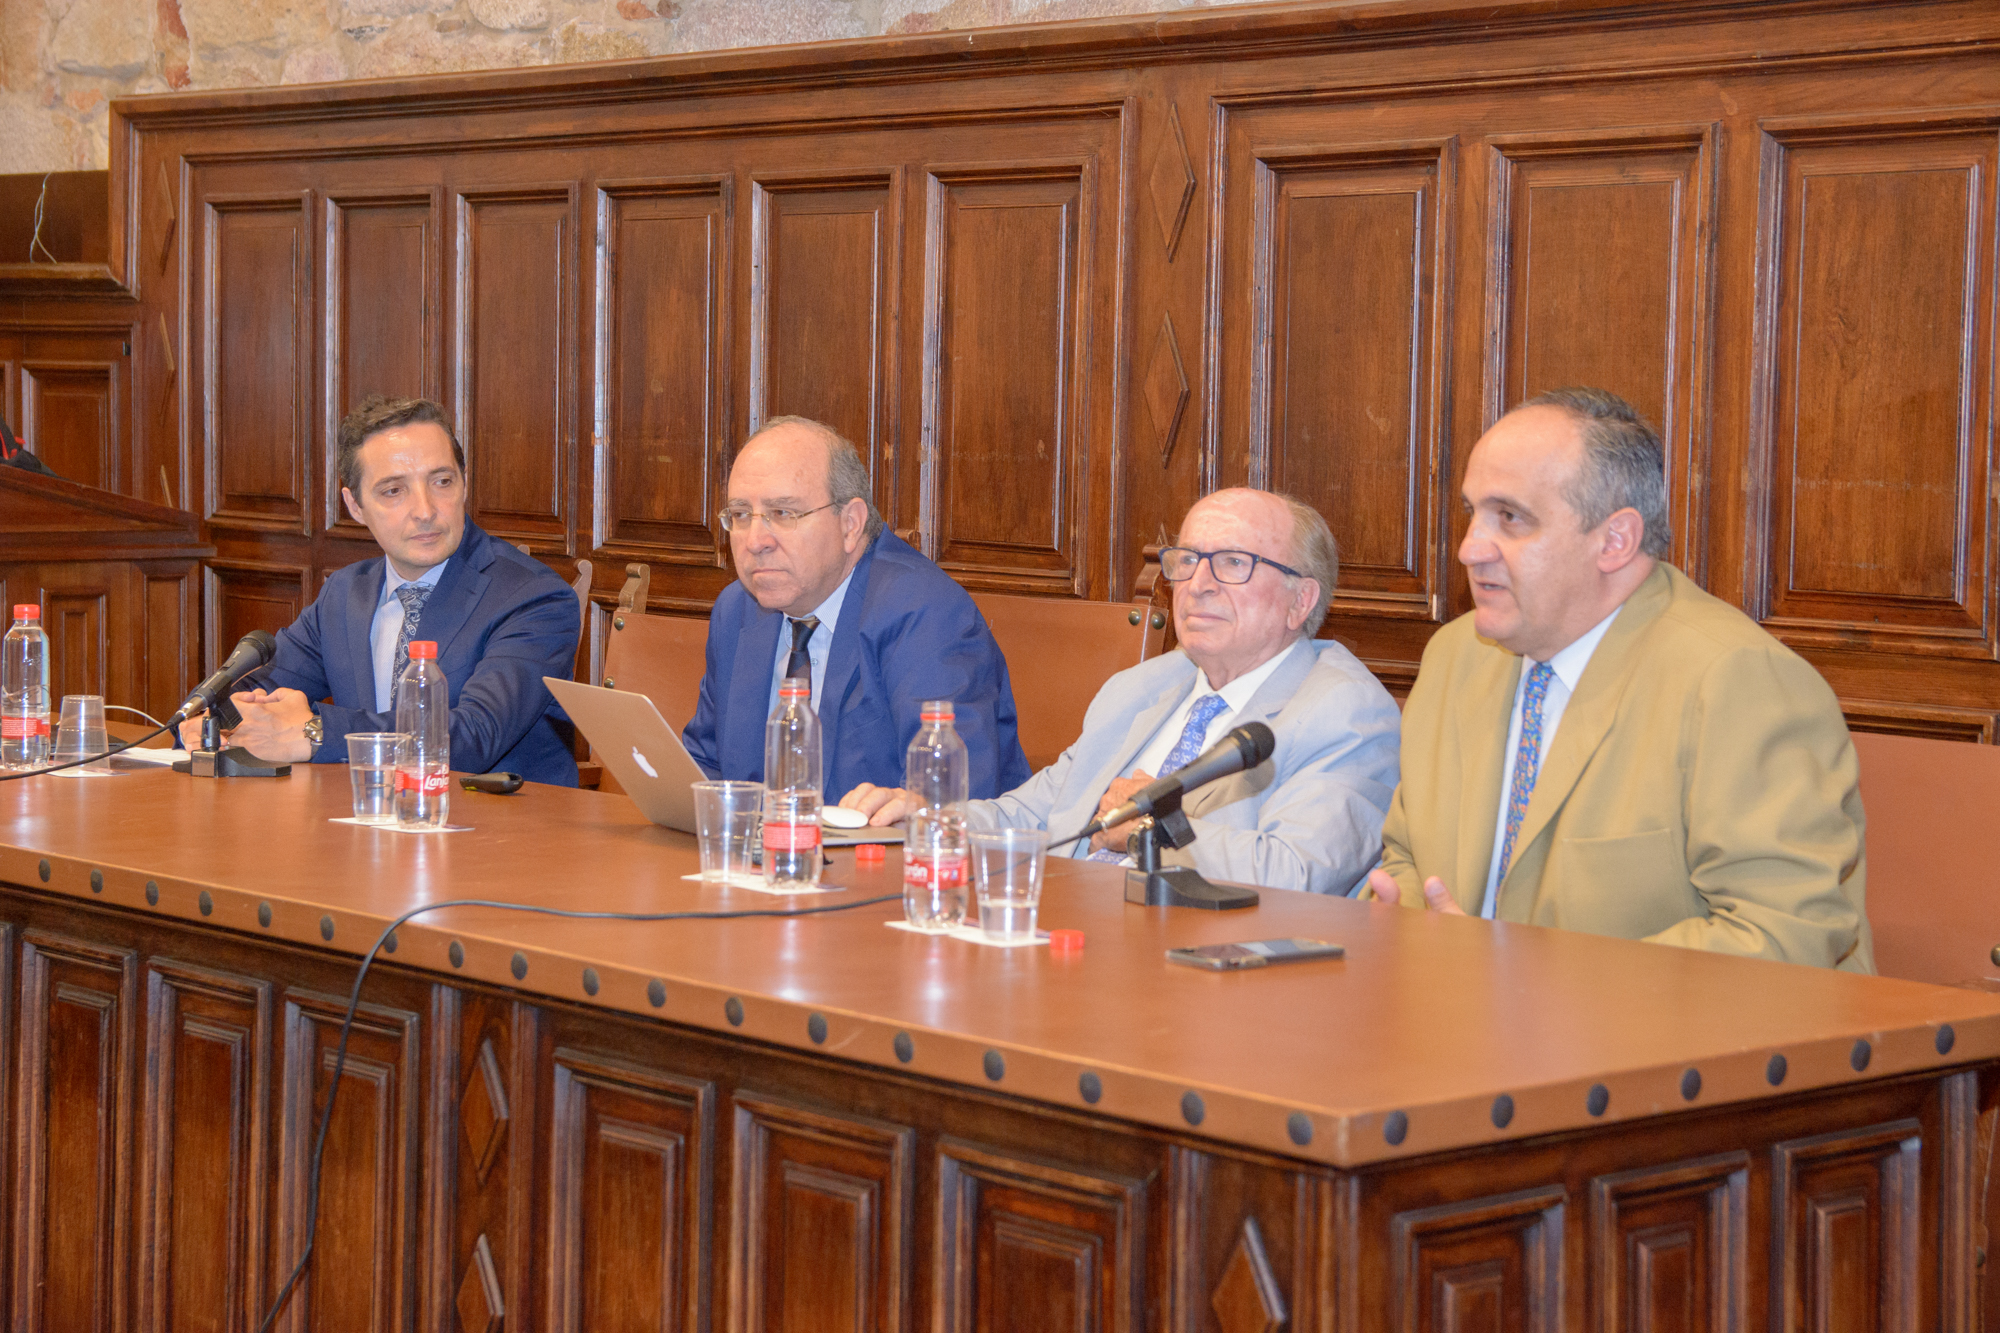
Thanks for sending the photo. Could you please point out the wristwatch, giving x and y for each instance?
(315, 729)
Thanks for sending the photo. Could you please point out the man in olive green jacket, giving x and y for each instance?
(1601, 745)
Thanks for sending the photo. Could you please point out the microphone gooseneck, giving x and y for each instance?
(254, 650)
(1242, 748)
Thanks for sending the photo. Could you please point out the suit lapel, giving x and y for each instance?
(363, 596)
(1140, 730)
(1587, 719)
(742, 748)
(459, 590)
(1485, 706)
(1269, 700)
(843, 656)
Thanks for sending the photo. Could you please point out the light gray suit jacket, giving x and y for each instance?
(1309, 817)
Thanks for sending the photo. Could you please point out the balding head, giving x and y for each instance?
(813, 481)
(1229, 629)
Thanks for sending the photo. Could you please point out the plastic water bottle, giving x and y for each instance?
(934, 845)
(24, 691)
(423, 761)
(792, 766)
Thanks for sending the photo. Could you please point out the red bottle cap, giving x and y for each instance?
(423, 649)
(869, 851)
(1066, 941)
(28, 611)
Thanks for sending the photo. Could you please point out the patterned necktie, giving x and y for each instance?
(412, 596)
(1205, 711)
(1527, 760)
(801, 663)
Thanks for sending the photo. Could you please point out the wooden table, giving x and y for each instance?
(818, 1122)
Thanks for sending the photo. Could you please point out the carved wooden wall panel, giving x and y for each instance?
(241, 595)
(514, 304)
(1482, 1264)
(1600, 277)
(1002, 390)
(1882, 242)
(203, 1167)
(384, 309)
(822, 1221)
(76, 604)
(1845, 1206)
(172, 635)
(257, 352)
(823, 291)
(1670, 1247)
(661, 280)
(1027, 1247)
(72, 415)
(72, 1174)
(1057, 285)
(367, 1194)
(630, 1195)
(1343, 329)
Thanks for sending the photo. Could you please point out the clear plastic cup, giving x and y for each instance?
(371, 767)
(1007, 876)
(725, 818)
(81, 733)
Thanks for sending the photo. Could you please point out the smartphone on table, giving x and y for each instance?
(1253, 953)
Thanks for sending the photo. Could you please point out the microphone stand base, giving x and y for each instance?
(1182, 886)
(234, 762)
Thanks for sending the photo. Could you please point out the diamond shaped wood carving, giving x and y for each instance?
(482, 1110)
(1247, 1299)
(479, 1305)
(1166, 389)
(1171, 183)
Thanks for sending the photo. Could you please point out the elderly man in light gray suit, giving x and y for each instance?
(1253, 573)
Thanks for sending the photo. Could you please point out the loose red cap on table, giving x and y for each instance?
(869, 851)
(27, 611)
(1066, 941)
(423, 648)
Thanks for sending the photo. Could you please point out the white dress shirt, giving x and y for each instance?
(1235, 694)
(1568, 666)
(817, 646)
(388, 623)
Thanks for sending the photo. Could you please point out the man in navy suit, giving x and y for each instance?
(501, 620)
(823, 590)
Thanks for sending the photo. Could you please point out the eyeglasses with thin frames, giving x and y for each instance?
(1178, 564)
(778, 520)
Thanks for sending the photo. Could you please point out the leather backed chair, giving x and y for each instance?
(661, 657)
(1933, 857)
(1059, 652)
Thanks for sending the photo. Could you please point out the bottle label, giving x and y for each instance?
(20, 728)
(790, 837)
(941, 873)
(429, 784)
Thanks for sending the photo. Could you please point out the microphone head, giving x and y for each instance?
(266, 643)
(1256, 741)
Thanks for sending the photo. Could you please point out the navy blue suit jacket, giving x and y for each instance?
(502, 621)
(906, 633)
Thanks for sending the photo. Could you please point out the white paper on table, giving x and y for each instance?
(396, 828)
(160, 757)
(83, 771)
(972, 935)
(756, 884)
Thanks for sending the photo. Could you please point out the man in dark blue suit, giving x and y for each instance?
(501, 620)
(823, 590)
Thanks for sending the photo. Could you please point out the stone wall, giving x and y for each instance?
(62, 60)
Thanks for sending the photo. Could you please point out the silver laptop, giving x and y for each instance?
(649, 761)
(637, 745)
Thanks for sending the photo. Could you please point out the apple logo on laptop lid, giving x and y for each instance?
(644, 766)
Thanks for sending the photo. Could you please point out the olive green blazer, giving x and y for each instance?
(1701, 789)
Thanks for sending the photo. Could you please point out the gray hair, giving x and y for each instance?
(1315, 554)
(1623, 465)
(846, 474)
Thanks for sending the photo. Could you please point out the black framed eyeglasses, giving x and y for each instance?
(1179, 563)
(783, 520)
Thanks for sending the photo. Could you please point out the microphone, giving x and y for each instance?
(1244, 747)
(254, 650)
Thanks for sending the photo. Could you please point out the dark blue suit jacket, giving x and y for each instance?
(502, 621)
(906, 633)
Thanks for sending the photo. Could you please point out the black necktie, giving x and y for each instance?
(801, 663)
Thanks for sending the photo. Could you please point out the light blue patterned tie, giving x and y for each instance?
(1206, 710)
(1527, 760)
(412, 596)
